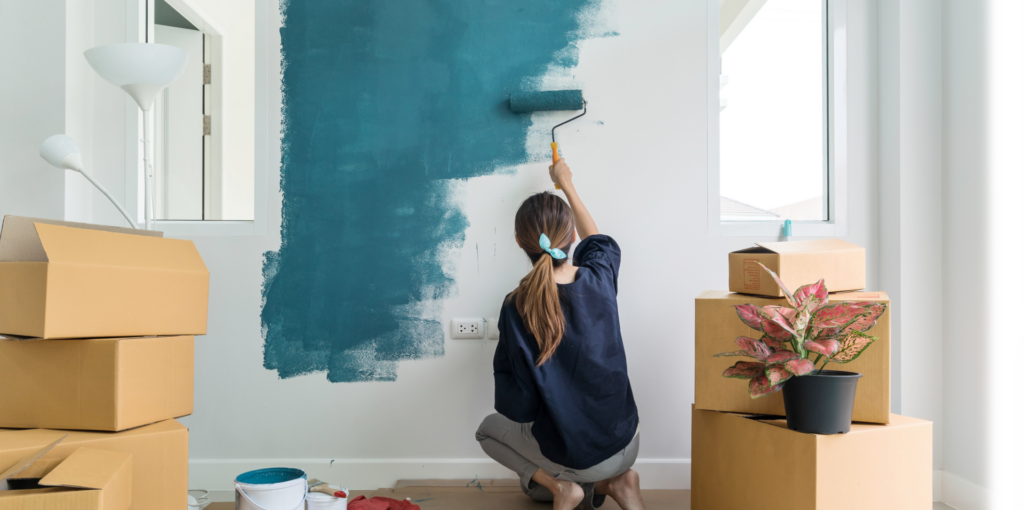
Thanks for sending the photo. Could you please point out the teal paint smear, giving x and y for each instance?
(384, 102)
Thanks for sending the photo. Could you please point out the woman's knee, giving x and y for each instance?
(494, 427)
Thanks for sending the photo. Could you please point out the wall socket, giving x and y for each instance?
(467, 328)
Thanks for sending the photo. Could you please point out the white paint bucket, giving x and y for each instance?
(271, 489)
(321, 501)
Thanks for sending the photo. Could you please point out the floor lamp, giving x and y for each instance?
(142, 70)
(62, 152)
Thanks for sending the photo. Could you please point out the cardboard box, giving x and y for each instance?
(108, 384)
(159, 457)
(75, 280)
(105, 476)
(841, 264)
(741, 462)
(717, 327)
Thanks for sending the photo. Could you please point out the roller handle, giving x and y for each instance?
(327, 490)
(554, 158)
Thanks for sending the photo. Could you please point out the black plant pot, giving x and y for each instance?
(821, 403)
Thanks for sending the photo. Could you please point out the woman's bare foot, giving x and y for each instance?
(567, 494)
(624, 489)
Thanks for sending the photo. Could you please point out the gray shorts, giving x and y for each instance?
(513, 446)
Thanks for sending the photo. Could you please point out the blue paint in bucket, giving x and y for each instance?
(270, 475)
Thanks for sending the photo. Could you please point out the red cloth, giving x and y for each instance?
(379, 503)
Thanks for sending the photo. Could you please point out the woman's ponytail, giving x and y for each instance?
(537, 302)
(544, 226)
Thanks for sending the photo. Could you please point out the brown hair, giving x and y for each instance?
(537, 294)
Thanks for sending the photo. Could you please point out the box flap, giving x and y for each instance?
(38, 469)
(20, 243)
(93, 247)
(817, 245)
(88, 468)
(27, 461)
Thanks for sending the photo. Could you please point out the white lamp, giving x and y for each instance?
(142, 70)
(61, 152)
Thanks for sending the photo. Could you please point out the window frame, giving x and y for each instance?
(139, 20)
(836, 141)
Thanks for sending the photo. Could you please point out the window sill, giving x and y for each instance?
(774, 229)
(192, 228)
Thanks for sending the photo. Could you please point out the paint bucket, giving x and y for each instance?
(321, 501)
(271, 489)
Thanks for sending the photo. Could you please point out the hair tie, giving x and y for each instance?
(545, 244)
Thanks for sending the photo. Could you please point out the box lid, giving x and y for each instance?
(19, 241)
(812, 246)
(27, 461)
(86, 468)
(89, 468)
(895, 421)
(32, 240)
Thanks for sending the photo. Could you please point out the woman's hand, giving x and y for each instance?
(560, 174)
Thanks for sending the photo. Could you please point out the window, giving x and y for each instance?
(200, 119)
(182, 167)
(774, 116)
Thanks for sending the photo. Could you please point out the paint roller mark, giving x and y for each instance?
(377, 97)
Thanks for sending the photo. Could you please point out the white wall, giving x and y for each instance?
(910, 226)
(983, 175)
(31, 106)
(652, 200)
(647, 86)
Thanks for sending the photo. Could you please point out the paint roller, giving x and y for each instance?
(547, 101)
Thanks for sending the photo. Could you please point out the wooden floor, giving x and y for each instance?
(491, 495)
(500, 495)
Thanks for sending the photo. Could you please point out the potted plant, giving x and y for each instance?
(817, 400)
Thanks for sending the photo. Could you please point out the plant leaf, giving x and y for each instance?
(800, 366)
(826, 347)
(782, 357)
(733, 353)
(871, 312)
(751, 348)
(774, 315)
(789, 295)
(755, 348)
(773, 344)
(777, 334)
(811, 296)
(828, 321)
(748, 314)
(852, 346)
(744, 370)
(777, 374)
(761, 386)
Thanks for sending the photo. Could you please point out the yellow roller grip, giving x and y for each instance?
(554, 158)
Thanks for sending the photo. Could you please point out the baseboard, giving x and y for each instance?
(218, 475)
(963, 494)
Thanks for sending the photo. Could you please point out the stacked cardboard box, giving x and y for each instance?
(744, 456)
(96, 362)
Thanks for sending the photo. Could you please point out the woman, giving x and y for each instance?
(566, 421)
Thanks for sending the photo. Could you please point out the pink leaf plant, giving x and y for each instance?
(791, 335)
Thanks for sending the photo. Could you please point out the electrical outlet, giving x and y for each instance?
(467, 328)
(492, 328)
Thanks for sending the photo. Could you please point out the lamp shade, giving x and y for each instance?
(62, 152)
(141, 69)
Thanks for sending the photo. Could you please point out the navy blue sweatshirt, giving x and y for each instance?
(580, 400)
